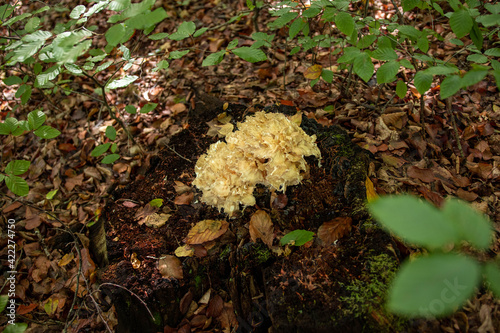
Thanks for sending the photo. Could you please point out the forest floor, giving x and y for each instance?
(414, 146)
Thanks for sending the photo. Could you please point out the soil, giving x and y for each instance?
(313, 288)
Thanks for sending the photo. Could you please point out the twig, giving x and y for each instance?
(187, 159)
(131, 292)
(455, 130)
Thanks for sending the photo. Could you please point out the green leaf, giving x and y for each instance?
(111, 132)
(345, 23)
(476, 36)
(422, 81)
(4, 299)
(363, 66)
(17, 18)
(185, 30)
(232, 44)
(8, 126)
(366, 41)
(461, 23)
(16, 328)
(409, 31)
(433, 286)
(471, 225)
(101, 149)
(281, 21)
(77, 12)
(131, 109)
(214, 58)
(50, 195)
(115, 34)
(163, 64)
(199, 32)
(250, 54)
(17, 185)
(156, 203)
(146, 21)
(111, 158)
(113, 148)
(441, 70)
(32, 24)
(350, 53)
(178, 54)
(327, 75)
(118, 5)
(423, 43)
(494, 52)
(387, 72)
(477, 58)
(474, 76)
(12, 80)
(2, 177)
(121, 83)
(103, 66)
(47, 132)
(158, 36)
(413, 220)
(492, 275)
(297, 237)
(296, 27)
(17, 167)
(74, 69)
(148, 107)
(311, 12)
(410, 4)
(489, 20)
(385, 53)
(401, 89)
(48, 75)
(450, 85)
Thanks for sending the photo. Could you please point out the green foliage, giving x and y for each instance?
(297, 237)
(68, 50)
(439, 283)
(156, 203)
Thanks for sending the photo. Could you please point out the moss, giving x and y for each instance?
(367, 295)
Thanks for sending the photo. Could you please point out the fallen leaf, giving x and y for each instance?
(205, 231)
(50, 306)
(466, 195)
(170, 267)
(180, 187)
(184, 251)
(73, 181)
(184, 199)
(185, 302)
(313, 72)
(397, 119)
(393, 160)
(371, 194)
(331, 231)
(136, 263)
(66, 259)
(215, 306)
(261, 227)
(24, 309)
(155, 220)
(425, 175)
(129, 204)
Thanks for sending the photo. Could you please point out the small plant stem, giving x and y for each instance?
(398, 13)
(455, 130)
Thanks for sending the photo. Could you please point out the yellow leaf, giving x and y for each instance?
(51, 306)
(66, 259)
(313, 72)
(136, 263)
(371, 194)
(184, 251)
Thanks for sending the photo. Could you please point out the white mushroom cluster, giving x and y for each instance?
(268, 149)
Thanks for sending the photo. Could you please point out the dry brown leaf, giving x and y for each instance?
(185, 302)
(136, 263)
(331, 231)
(313, 72)
(170, 267)
(466, 195)
(397, 119)
(215, 306)
(180, 187)
(32, 219)
(425, 175)
(261, 227)
(72, 182)
(178, 108)
(205, 231)
(393, 160)
(184, 199)
(155, 220)
(24, 309)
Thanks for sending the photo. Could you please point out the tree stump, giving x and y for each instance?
(314, 288)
